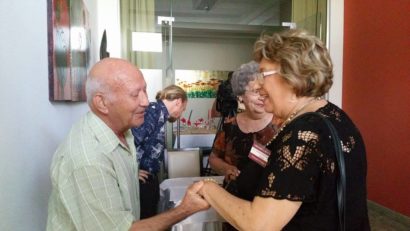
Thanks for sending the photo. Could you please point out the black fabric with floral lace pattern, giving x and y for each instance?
(303, 167)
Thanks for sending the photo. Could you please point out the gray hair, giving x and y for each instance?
(240, 78)
(95, 85)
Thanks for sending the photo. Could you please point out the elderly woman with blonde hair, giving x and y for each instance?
(298, 187)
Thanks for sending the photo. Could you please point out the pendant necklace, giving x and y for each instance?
(290, 118)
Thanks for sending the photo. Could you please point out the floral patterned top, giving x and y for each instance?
(233, 146)
(149, 138)
(303, 167)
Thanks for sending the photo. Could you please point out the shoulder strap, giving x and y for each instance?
(341, 180)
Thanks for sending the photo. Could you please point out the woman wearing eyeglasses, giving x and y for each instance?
(229, 156)
(297, 189)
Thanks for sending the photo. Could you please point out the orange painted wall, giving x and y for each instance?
(376, 93)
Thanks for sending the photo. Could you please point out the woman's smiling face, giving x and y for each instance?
(252, 98)
(278, 91)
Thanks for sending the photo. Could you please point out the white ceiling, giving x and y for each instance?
(241, 12)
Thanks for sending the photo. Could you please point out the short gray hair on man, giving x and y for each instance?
(96, 85)
(241, 77)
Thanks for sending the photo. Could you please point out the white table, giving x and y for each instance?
(208, 220)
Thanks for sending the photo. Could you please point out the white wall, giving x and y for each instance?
(108, 18)
(211, 54)
(31, 127)
(335, 45)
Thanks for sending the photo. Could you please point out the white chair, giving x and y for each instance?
(183, 163)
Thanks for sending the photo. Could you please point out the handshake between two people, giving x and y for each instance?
(194, 200)
(198, 195)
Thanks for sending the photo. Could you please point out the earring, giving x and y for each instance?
(241, 105)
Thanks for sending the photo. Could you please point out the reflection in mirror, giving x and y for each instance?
(137, 16)
(208, 35)
(210, 21)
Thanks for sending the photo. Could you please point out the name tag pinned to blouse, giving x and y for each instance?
(259, 153)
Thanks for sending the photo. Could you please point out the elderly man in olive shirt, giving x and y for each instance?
(94, 172)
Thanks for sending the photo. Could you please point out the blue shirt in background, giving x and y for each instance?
(149, 138)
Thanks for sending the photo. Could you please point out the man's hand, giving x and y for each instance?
(143, 175)
(192, 201)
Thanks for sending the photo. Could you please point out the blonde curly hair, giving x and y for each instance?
(303, 59)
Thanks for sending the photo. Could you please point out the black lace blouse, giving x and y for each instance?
(303, 167)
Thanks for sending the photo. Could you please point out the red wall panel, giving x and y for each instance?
(376, 93)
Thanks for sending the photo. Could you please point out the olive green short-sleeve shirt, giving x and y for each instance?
(94, 180)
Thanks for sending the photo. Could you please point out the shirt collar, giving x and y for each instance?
(163, 108)
(106, 137)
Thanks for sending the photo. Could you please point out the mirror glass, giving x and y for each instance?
(186, 22)
(204, 37)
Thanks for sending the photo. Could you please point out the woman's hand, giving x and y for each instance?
(223, 168)
(231, 172)
(143, 175)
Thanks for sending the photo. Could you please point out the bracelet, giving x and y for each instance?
(210, 180)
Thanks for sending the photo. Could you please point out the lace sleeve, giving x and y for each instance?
(293, 168)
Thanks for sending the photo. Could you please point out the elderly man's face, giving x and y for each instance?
(130, 101)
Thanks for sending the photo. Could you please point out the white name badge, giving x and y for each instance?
(259, 154)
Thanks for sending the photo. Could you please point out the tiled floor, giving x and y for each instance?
(384, 219)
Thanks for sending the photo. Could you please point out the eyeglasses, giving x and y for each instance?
(254, 92)
(265, 74)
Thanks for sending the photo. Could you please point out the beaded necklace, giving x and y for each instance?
(290, 118)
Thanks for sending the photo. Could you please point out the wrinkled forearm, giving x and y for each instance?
(234, 210)
(258, 215)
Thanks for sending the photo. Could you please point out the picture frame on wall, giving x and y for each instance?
(69, 38)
